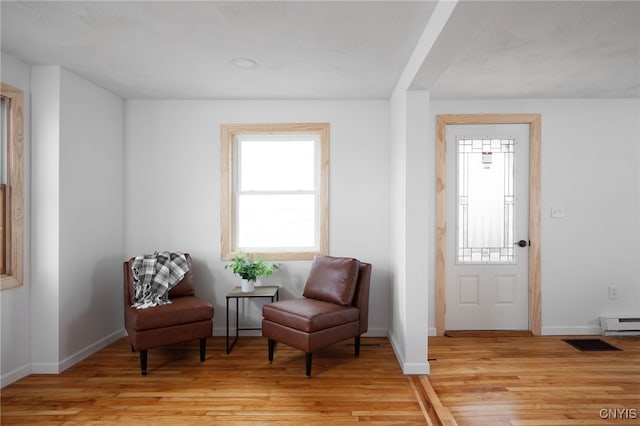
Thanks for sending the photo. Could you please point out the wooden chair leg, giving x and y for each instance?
(357, 346)
(203, 348)
(307, 359)
(143, 362)
(272, 346)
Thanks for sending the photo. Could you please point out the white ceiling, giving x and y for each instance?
(332, 49)
(537, 49)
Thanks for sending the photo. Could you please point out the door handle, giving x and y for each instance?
(523, 243)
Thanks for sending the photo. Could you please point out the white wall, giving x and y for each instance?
(77, 222)
(409, 208)
(91, 239)
(418, 209)
(590, 167)
(14, 318)
(397, 210)
(45, 138)
(172, 194)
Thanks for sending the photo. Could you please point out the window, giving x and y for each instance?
(4, 120)
(275, 180)
(486, 197)
(11, 187)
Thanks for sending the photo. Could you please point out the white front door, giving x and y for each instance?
(487, 222)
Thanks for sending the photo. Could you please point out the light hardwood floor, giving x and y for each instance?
(238, 388)
(516, 381)
(536, 381)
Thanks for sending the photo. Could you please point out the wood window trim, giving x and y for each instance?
(15, 172)
(534, 121)
(228, 134)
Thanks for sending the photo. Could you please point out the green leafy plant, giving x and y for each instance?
(250, 269)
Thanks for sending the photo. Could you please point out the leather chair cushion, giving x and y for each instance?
(182, 310)
(185, 286)
(309, 315)
(332, 279)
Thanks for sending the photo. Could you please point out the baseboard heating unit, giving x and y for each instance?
(620, 325)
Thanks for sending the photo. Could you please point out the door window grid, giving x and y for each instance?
(486, 197)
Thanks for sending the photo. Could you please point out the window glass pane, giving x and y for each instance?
(485, 226)
(276, 221)
(277, 165)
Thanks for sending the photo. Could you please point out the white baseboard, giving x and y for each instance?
(576, 330)
(15, 375)
(55, 368)
(376, 332)
(75, 358)
(45, 368)
(412, 368)
(554, 331)
(222, 332)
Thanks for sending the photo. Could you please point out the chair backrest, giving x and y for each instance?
(343, 281)
(183, 288)
(361, 298)
(332, 279)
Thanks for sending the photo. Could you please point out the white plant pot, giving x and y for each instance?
(247, 286)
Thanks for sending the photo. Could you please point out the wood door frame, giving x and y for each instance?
(534, 122)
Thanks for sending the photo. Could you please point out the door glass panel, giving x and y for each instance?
(485, 201)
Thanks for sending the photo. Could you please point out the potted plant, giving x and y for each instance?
(249, 270)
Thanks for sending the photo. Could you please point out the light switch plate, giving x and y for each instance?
(557, 212)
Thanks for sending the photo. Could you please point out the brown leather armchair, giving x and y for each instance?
(334, 307)
(186, 318)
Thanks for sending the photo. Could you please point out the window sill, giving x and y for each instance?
(271, 256)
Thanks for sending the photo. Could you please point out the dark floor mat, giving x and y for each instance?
(591, 345)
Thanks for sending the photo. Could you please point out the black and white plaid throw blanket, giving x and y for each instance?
(154, 275)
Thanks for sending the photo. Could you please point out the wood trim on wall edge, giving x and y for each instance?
(15, 168)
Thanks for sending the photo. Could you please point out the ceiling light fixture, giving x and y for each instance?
(245, 63)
